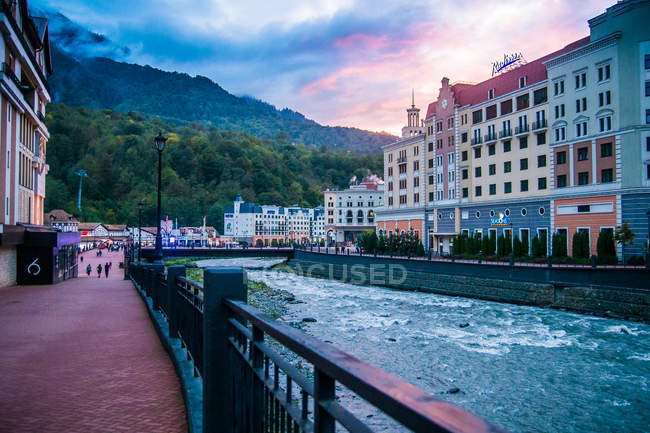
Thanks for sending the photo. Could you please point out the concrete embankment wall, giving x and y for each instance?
(576, 289)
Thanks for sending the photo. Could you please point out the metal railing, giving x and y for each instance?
(539, 124)
(522, 129)
(249, 386)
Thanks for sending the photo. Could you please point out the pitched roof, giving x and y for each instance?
(59, 215)
(507, 82)
(88, 226)
(115, 227)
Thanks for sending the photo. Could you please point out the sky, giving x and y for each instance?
(339, 62)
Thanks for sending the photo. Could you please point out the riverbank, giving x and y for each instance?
(579, 292)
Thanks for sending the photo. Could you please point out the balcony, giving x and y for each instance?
(401, 160)
(505, 133)
(490, 137)
(6, 70)
(522, 129)
(476, 140)
(540, 124)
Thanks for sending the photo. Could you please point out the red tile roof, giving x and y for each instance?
(509, 81)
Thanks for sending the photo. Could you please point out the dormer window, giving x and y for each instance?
(523, 81)
(491, 94)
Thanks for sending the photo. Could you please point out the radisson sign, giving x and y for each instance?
(508, 59)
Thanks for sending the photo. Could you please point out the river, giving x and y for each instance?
(526, 369)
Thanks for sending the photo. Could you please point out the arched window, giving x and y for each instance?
(349, 217)
(371, 216)
(360, 216)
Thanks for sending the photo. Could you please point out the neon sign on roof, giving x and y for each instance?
(507, 63)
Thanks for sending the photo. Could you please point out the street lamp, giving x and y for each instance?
(160, 145)
(140, 204)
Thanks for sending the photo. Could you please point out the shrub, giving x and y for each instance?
(580, 247)
(606, 248)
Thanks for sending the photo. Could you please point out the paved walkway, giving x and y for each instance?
(83, 356)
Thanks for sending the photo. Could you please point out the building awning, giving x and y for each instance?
(443, 233)
(36, 236)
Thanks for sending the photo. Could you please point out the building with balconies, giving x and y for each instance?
(353, 211)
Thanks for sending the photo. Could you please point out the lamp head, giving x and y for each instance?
(160, 141)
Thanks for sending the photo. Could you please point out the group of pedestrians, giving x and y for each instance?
(106, 268)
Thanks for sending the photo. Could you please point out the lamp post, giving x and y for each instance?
(160, 145)
(140, 204)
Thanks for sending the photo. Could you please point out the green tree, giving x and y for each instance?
(624, 236)
(368, 241)
(606, 248)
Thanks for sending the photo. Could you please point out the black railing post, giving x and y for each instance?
(219, 283)
(155, 271)
(257, 386)
(173, 272)
(324, 390)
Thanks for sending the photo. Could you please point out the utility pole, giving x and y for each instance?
(81, 173)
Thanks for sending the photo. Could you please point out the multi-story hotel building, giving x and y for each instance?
(24, 94)
(404, 174)
(561, 143)
(351, 211)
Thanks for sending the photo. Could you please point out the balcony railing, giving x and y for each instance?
(476, 140)
(401, 160)
(249, 385)
(490, 137)
(522, 129)
(540, 124)
(6, 70)
(505, 133)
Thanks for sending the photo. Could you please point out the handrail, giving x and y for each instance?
(411, 406)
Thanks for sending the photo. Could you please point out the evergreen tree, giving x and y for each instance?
(606, 248)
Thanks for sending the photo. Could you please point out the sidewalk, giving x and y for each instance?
(83, 356)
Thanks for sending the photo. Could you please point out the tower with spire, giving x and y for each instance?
(413, 126)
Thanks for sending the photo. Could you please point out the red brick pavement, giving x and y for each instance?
(83, 356)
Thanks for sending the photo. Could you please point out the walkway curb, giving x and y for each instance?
(192, 386)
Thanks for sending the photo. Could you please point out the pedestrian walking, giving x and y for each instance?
(106, 269)
(89, 269)
(99, 270)
(81, 258)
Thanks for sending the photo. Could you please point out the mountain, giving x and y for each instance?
(85, 76)
(203, 168)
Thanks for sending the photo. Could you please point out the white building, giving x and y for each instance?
(350, 212)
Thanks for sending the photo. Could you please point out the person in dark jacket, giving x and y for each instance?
(99, 270)
(106, 269)
(89, 269)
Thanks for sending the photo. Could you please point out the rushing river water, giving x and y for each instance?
(526, 369)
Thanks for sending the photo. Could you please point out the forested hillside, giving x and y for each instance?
(203, 167)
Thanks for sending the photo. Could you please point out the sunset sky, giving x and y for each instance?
(339, 62)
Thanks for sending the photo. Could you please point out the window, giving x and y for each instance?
(523, 101)
(561, 181)
(523, 185)
(605, 123)
(416, 182)
(491, 149)
(523, 142)
(506, 146)
(507, 187)
(463, 155)
(493, 189)
(647, 117)
(541, 161)
(581, 129)
(491, 94)
(606, 175)
(583, 178)
(507, 167)
(541, 138)
(477, 152)
(477, 191)
(523, 164)
(491, 112)
(477, 171)
(523, 81)
(465, 193)
(465, 173)
(581, 105)
(646, 59)
(581, 80)
(506, 107)
(540, 96)
(492, 169)
(603, 73)
(558, 88)
(431, 163)
(560, 133)
(477, 116)
(605, 98)
(541, 183)
(583, 154)
(559, 111)
(431, 179)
